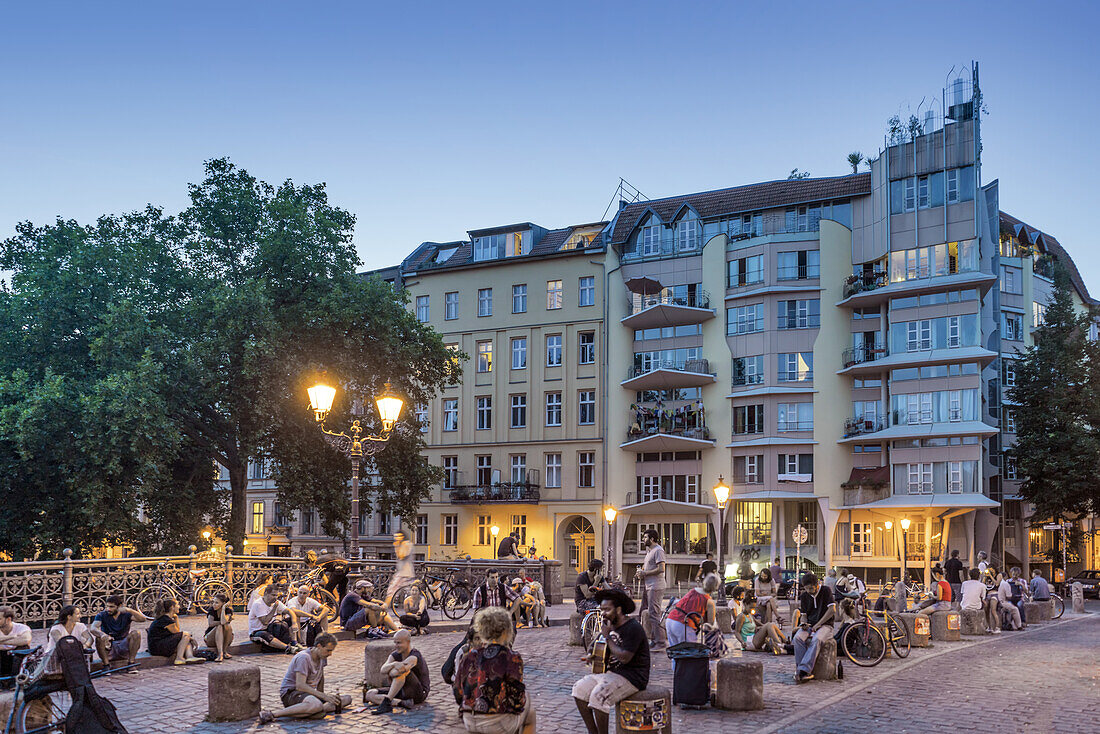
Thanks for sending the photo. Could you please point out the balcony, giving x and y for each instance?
(669, 375)
(864, 282)
(653, 311)
(932, 357)
(747, 380)
(864, 354)
(505, 492)
(862, 426)
(798, 272)
(656, 430)
(875, 289)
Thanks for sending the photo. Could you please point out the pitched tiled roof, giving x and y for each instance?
(422, 258)
(1049, 244)
(744, 199)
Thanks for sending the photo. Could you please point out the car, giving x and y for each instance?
(1090, 583)
(786, 584)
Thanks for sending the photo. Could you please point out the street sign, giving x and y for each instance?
(1052, 526)
(800, 535)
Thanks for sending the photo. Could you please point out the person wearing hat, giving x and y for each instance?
(627, 667)
(359, 609)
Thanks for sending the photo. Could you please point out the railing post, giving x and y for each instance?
(67, 578)
(229, 565)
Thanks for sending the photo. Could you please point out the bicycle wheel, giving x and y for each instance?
(590, 630)
(456, 601)
(45, 714)
(207, 590)
(899, 637)
(1057, 606)
(146, 599)
(864, 644)
(326, 597)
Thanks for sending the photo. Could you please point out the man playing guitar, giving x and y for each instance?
(627, 662)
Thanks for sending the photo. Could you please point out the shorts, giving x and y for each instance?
(495, 723)
(274, 631)
(603, 690)
(120, 649)
(293, 697)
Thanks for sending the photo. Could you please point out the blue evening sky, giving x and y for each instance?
(429, 119)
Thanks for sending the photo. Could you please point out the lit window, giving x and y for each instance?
(484, 356)
(257, 517)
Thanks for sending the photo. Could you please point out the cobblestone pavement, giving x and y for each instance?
(1047, 676)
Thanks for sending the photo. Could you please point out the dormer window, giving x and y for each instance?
(443, 254)
(489, 247)
(649, 237)
(687, 233)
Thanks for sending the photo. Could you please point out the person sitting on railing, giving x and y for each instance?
(219, 627)
(507, 550)
(360, 610)
(313, 615)
(165, 637)
(13, 636)
(114, 640)
(265, 625)
(588, 583)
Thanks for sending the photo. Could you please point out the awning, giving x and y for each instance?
(868, 476)
(966, 500)
(668, 509)
(772, 494)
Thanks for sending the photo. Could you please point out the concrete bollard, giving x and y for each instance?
(740, 685)
(919, 628)
(375, 655)
(972, 622)
(724, 618)
(1036, 611)
(946, 626)
(576, 619)
(1077, 592)
(233, 693)
(648, 710)
(825, 665)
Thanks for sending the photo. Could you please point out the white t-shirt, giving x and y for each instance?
(1004, 591)
(654, 557)
(404, 566)
(20, 635)
(80, 632)
(260, 609)
(982, 565)
(973, 592)
(309, 606)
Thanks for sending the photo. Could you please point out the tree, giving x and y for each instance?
(1057, 392)
(854, 159)
(796, 175)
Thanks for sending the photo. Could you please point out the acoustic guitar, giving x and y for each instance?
(599, 655)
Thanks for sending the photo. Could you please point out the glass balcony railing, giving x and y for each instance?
(697, 299)
(854, 284)
(743, 380)
(700, 366)
(865, 353)
(862, 425)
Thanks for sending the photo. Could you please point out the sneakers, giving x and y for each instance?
(386, 707)
(996, 630)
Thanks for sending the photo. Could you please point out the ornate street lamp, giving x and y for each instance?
(355, 446)
(609, 514)
(721, 497)
(904, 549)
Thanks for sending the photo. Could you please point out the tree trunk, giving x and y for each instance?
(238, 510)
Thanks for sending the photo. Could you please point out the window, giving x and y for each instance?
(1010, 467)
(421, 413)
(450, 530)
(649, 489)
(519, 298)
(553, 408)
(795, 467)
(862, 543)
(924, 198)
(484, 413)
(953, 186)
(795, 417)
(650, 239)
(753, 523)
(553, 350)
(450, 306)
(519, 468)
(489, 247)
(484, 471)
(954, 477)
(515, 242)
(519, 525)
(586, 469)
(1010, 419)
(553, 294)
(796, 367)
(1038, 314)
(586, 291)
(687, 234)
(256, 469)
(450, 472)
(748, 419)
(519, 353)
(799, 265)
(748, 370)
(257, 517)
(423, 310)
(421, 530)
(1009, 376)
(384, 525)
(586, 407)
(1013, 326)
(484, 523)
(919, 408)
(553, 470)
(745, 319)
(920, 478)
(954, 332)
(954, 414)
(920, 335)
(450, 414)
(307, 521)
(801, 314)
(1011, 279)
(484, 301)
(748, 469)
(910, 194)
(484, 356)
(519, 411)
(746, 271)
(586, 347)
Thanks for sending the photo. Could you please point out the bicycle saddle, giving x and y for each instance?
(197, 572)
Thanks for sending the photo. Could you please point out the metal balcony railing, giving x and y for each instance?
(854, 284)
(864, 425)
(793, 425)
(808, 321)
(865, 353)
(700, 366)
(742, 380)
(664, 425)
(666, 493)
(798, 272)
(503, 492)
(698, 299)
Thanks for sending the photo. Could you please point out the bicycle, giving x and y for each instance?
(449, 594)
(195, 594)
(863, 642)
(897, 634)
(318, 592)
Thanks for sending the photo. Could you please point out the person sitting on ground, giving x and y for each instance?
(114, 640)
(976, 598)
(13, 636)
(767, 592)
(302, 691)
(690, 612)
(813, 623)
(627, 663)
(1008, 610)
(265, 625)
(1039, 588)
(361, 611)
(1016, 592)
(312, 615)
(538, 610)
(754, 634)
(941, 594)
(415, 607)
(507, 550)
(588, 583)
(334, 571)
(409, 683)
(493, 593)
(708, 566)
(488, 684)
(219, 627)
(68, 623)
(165, 637)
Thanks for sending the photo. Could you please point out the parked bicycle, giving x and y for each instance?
(863, 642)
(451, 594)
(318, 592)
(197, 593)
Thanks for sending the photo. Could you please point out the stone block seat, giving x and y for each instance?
(233, 692)
(1036, 611)
(909, 619)
(375, 654)
(724, 618)
(946, 626)
(576, 619)
(972, 622)
(646, 710)
(740, 685)
(825, 665)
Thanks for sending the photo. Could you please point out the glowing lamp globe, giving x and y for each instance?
(320, 400)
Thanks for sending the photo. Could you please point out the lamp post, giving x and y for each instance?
(355, 446)
(494, 531)
(609, 514)
(904, 548)
(721, 497)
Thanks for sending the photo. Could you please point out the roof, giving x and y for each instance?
(866, 476)
(743, 199)
(422, 257)
(1047, 243)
